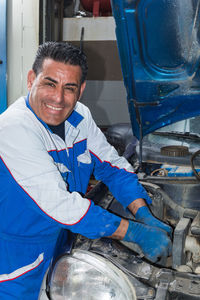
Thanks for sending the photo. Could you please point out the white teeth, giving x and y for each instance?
(53, 107)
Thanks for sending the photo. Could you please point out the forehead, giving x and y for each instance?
(57, 68)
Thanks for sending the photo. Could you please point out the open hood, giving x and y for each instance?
(159, 47)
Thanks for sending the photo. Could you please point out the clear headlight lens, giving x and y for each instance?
(87, 276)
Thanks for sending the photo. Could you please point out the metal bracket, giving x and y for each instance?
(180, 233)
(162, 291)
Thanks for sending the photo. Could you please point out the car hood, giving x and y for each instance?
(159, 49)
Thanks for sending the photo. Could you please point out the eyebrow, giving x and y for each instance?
(55, 81)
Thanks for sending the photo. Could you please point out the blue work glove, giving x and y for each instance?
(144, 215)
(154, 242)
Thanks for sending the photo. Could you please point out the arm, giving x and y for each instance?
(118, 175)
(35, 178)
(112, 169)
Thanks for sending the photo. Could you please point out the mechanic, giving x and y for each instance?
(50, 146)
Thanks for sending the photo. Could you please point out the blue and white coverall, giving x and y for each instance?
(42, 178)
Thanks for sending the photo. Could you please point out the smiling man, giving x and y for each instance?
(55, 90)
(50, 146)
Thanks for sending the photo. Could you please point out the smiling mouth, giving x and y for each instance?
(53, 107)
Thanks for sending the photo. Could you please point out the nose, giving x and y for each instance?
(59, 96)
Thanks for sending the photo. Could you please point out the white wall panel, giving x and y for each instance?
(105, 98)
(95, 29)
(107, 101)
(23, 40)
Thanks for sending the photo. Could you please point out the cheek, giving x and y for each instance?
(36, 93)
(70, 100)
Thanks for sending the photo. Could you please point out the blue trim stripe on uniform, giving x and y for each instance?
(75, 118)
(28, 105)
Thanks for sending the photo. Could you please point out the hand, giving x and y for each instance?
(144, 215)
(154, 242)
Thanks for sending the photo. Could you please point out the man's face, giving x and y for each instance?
(55, 91)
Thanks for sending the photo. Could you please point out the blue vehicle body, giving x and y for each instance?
(158, 42)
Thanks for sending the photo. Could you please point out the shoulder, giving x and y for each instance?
(18, 120)
(17, 112)
(82, 109)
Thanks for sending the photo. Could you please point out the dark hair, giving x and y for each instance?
(62, 52)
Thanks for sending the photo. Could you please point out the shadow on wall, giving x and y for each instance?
(92, 98)
(103, 94)
(93, 94)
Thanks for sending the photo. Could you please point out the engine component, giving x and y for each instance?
(177, 151)
(195, 227)
(178, 250)
(194, 156)
(192, 246)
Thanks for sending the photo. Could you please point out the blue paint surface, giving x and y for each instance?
(159, 48)
(3, 57)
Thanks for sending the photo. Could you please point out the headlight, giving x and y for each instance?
(87, 276)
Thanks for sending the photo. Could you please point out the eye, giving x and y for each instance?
(50, 84)
(70, 89)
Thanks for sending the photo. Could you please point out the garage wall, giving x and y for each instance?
(105, 93)
(22, 43)
(3, 57)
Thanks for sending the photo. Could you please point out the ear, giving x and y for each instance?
(30, 79)
(82, 89)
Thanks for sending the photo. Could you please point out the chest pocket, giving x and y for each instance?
(85, 158)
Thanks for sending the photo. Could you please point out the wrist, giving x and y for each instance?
(136, 204)
(120, 233)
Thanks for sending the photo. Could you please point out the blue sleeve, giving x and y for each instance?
(124, 185)
(112, 169)
(97, 223)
